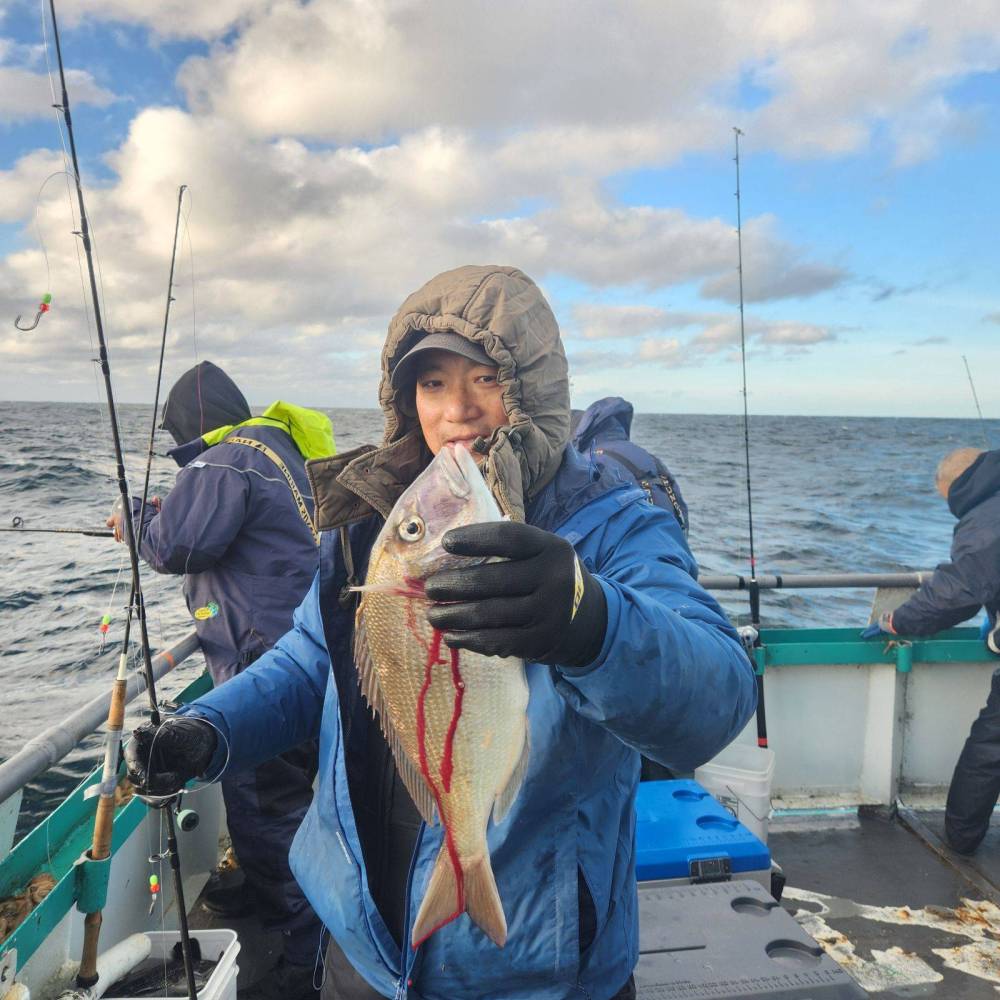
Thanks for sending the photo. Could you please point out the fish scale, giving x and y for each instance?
(455, 720)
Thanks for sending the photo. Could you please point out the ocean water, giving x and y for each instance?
(830, 494)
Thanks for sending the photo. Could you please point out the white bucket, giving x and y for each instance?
(740, 778)
(221, 945)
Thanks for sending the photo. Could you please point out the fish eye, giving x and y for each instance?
(411, 529)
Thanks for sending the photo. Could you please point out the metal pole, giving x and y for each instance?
(815, 581)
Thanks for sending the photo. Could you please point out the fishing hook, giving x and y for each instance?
(43, 307)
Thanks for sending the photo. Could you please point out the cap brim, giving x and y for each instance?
(406, 368)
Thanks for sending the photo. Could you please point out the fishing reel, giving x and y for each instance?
(187, 820)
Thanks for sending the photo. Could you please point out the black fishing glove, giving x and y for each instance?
(182, 748)
(540, 604)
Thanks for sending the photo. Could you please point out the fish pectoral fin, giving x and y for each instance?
(507, 794)
(446, 899)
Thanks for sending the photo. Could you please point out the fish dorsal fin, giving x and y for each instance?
(413, 780)
(505, 799)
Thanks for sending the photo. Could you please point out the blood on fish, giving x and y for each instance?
(433, 657)
(447, 765)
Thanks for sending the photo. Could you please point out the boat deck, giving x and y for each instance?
(885, 897)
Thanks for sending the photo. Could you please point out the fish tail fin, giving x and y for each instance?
(442, 902)
(445, 899)
(482, 900)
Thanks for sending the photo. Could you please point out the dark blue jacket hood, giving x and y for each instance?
(979, 482)
(609, 417)
(201, 400)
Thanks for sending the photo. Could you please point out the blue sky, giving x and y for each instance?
(340, 154)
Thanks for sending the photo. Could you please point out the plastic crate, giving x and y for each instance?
(684, 835)
(222, 944)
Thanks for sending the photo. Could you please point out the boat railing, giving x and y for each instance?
(49, 747)
(815, 581)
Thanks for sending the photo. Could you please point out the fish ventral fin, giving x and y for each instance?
(507, 794)
(413, 780)
(443, 901)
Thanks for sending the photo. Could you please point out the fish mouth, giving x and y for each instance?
(458, 466)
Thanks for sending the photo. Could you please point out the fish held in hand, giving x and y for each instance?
(456, 720)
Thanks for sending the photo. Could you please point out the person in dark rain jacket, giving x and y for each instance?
(626, 654)
(970, 481)
(604, 431)
(238, 526)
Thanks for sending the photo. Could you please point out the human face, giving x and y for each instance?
(457, 401)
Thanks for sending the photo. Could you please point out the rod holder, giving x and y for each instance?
(904, 657)
(91, 885)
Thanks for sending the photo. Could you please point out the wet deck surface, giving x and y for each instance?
(886, 898)
(902, 913)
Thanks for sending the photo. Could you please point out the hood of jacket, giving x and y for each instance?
(979, 482)
(201, 400)
(611, 415)
(503, 310)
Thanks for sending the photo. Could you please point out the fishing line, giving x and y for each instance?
(106, 620)
(38, 228)
(975, 399)
(190, 246)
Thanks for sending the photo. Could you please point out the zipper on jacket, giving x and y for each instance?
(408, 956)
(338, 751)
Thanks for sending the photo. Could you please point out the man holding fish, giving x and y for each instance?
(499, 628)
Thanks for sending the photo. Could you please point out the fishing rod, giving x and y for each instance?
(975, 399)
(135, 601)
(104, 817)
(136, 606)
(17, 524)
(753, 587)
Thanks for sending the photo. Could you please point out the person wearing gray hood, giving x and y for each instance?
(597, 592)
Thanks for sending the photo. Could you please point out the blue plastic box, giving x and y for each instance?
(684, 835)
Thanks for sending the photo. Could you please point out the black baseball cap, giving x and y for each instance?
(405, 370)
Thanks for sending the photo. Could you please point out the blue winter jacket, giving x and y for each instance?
(671, 682)
(231, 526)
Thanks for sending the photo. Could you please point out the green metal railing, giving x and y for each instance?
(57, 844)
(781, 647)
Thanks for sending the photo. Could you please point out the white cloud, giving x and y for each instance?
(719, 336)
(20, 185)
(723, 333)
(25, 94)
(168, 18)
(772, 269)
(603, 244)
(633, 83)
(597, 322)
